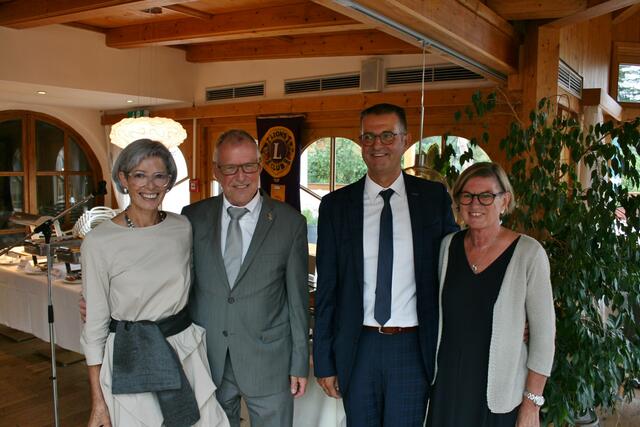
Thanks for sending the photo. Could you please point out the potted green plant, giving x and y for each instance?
(592, 236)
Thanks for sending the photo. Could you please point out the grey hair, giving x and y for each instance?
(486, 170)
(235, 137)
(136, 152)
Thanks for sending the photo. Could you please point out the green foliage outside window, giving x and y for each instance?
(349, 164)
(628, 83)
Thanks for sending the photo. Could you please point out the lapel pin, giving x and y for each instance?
(269, 216)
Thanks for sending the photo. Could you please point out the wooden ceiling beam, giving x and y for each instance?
(286, 20)
(518, 10)
(451, 23)
(370, 42)
(625, 14)
(592, 12)
(36, 13)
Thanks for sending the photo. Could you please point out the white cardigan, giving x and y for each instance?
(525, 295)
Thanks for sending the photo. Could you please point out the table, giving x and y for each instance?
(23, 306)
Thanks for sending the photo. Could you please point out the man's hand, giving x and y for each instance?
(82, 306)
(298, 385)
(330, 386)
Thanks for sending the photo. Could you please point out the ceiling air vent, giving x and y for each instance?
(569, 79)
(232, 92)
(344, 81)
(435, 73)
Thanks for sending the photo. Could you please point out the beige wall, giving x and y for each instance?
(75, 58)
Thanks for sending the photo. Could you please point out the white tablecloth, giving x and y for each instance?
(23, 306)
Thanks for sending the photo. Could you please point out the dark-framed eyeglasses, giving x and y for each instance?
(227, 170)
(485, 199)
(140, 179)
(387, 137)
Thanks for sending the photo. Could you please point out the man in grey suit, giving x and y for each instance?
(250, 288)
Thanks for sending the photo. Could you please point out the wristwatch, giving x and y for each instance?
(537, 399)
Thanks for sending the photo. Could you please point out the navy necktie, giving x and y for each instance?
(382, 310)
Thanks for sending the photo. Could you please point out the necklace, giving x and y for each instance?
(475, 266)
(161, 216)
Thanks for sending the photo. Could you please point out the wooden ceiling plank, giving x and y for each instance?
(336, 44)
(518, 10)
(591, 13)
(292, 19)
(450, 23)
(625, 14)
(35, 13)
(189, 11)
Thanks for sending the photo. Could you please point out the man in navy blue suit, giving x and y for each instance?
(377, 297)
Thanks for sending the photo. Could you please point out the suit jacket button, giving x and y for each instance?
(225, 333)
(230, 300)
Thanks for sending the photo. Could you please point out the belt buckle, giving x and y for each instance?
(380, 331)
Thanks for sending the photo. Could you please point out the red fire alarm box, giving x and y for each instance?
(194, 185)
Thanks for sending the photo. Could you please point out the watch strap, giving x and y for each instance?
(537, 399)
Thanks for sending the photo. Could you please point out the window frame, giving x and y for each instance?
(623, 53)
(30, 173)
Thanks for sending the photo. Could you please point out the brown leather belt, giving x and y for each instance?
(391, 330)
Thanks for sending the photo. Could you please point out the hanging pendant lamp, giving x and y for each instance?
(167, 131)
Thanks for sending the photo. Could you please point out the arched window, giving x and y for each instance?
(435, 144)
(326, 165)
(45, 167)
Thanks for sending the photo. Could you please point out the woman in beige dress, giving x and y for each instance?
(147, 362)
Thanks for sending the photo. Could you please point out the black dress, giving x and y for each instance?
(459, 396)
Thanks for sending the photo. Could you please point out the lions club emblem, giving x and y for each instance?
(278, 150)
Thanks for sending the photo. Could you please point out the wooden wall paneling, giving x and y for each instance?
(628, 30)
(597, 53)
(572, 44)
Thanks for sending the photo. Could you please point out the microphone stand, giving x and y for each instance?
(45, 229)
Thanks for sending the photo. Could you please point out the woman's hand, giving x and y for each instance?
(99, 416)
(528, 415)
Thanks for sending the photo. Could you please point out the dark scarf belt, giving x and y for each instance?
(143, 361)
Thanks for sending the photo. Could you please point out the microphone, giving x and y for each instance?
(101, 190)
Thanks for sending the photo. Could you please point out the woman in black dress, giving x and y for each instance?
(492, 281)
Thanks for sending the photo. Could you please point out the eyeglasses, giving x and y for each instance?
(233, 169)
(387, 137)
(140, 179)
(485, 199)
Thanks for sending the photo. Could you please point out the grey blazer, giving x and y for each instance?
(263, 320)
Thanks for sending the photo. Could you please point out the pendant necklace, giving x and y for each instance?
(475, 266)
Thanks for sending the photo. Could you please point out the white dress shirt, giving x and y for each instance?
(247, 223)
(403, 283)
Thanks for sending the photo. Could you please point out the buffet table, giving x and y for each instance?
(23, 306)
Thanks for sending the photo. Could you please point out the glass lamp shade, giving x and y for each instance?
(167, 131)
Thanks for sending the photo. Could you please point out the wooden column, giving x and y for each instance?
(541, 54)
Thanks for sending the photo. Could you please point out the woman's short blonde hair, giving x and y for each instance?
(486, 170)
